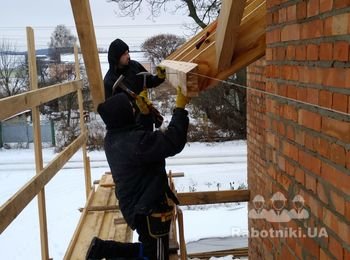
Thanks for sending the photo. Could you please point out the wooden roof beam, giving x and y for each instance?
(87, 39)
(190, 49)
(250, 46)
(227, 31)
(182, 74)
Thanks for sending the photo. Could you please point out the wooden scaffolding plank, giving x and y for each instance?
(101, 222)
(107, 180)
(87, 39)
(77, 231)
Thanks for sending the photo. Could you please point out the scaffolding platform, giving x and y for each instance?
(100, 217)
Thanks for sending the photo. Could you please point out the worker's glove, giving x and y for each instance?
(141, 103)
(161, 73)
(144, 94)
(181, 99)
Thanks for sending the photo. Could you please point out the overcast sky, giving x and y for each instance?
(45, 15)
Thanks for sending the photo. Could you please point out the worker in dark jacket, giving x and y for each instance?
(136, 156)
(120, 64)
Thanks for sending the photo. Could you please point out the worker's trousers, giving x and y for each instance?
(153, 248)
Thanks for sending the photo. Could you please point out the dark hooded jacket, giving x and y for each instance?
(136, 155)
(136, 83)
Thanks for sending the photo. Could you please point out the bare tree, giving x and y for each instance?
(225, 105)
(158, 47)
(61, 41)
(201, 11)
(13, 71)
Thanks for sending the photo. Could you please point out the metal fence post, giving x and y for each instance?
(52, 124)
(1, 144)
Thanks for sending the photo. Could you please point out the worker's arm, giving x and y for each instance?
(158, 145)
(152, 81)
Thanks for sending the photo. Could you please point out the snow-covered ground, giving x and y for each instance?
(207, 166)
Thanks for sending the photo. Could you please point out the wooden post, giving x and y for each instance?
(183, 251)
(172, 187)
(85, 28)
(37, 144)
(86, 159)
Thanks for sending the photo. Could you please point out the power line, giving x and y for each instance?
(274, 95)
(100, 26)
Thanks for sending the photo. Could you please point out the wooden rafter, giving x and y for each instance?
(227, 31)
(192, 44)
(190, 48)
(249, 46)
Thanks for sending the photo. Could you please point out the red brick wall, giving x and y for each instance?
(295, 147)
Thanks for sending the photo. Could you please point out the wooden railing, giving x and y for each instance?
(200, 198)
(36, 186)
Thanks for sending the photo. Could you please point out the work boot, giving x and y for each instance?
(111, 249)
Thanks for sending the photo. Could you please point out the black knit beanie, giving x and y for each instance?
(116, 111)
(116, 49)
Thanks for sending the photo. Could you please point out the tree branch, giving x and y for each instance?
(193, 13)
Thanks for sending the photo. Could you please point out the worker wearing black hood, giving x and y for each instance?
(120, 64)
(136, 157)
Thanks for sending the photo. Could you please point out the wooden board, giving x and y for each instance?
(212, 197)
(250, 45)
(33, 82)
(10, 106)
(101, 217)
(182, 74)
(227, 31)
(189, 48)
(86, 33)
(13, 207)
(236, 252)
(190, 45)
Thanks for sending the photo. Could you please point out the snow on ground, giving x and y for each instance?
(207, 166)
